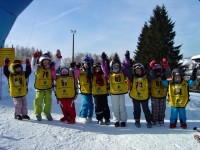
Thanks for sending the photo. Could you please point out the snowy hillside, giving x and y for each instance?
(31, 135)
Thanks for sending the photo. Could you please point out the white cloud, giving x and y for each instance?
(60, 16)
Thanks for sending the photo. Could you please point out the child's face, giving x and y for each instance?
(97, 69)
(18, 69)
(116, 67)
(46, 63)
(177, 79)
(138, 71)
(85, 65)
(64, 72)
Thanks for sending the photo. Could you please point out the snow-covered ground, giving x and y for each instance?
(30, 135)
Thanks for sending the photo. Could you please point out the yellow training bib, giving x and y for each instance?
(118, 83)
(178, 94)
(140, 90)
(43, 79)
(96, 88)
(65, 87)
(17, 85)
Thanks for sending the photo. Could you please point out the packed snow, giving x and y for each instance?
(32, 135)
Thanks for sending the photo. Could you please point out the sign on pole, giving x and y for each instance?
(6, 53)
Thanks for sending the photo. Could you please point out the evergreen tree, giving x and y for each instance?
(157, 40)
(142, 47)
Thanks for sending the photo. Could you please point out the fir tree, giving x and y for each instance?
(142, 47)
(157, 40)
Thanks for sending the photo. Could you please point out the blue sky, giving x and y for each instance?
(101, 25)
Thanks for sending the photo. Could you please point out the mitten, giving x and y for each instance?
(6, 61)
(27, 62)
(36, 54)
(58, 54)
(194, 74)
(127, 55)
(152, 64)
(103, 56)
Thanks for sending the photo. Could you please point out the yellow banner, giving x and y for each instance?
(6, 53)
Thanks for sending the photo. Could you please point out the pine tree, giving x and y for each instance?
(142, 47)
(158, 39)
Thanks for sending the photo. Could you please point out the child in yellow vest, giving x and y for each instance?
(100, 94)
(118, 88)
(44, 75)
(178, 95)
(158, 95)
(140, 94)
(18, 88)
(84, 77)
(65, 92)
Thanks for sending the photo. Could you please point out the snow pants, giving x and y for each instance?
(137, 109)
(68, 108)
(175, 111)
(158, 106)
(101, 107)
(87, 107)
(43, 96)
(20, 106)
(119, 108)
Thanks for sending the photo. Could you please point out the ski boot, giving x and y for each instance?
(123, 124)
(26, 117)
(116, 124)
(107, 122)
(172, 125)
(137, 123)
(18, 117)
(183, 125)
(100, 122)
(39, 117)
(49, 117)
(149, 125)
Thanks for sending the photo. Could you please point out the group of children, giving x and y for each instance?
(98, 80)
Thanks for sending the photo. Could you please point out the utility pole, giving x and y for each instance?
(73, 32)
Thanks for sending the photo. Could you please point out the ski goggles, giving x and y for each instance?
(138, 66)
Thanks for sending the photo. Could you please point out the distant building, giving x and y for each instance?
(188, 66)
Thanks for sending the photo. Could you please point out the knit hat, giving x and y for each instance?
(88, 59)
(97, 65)
(15, 64)
(64, 70)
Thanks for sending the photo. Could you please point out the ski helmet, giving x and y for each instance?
(42, 58)
(177, 72)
